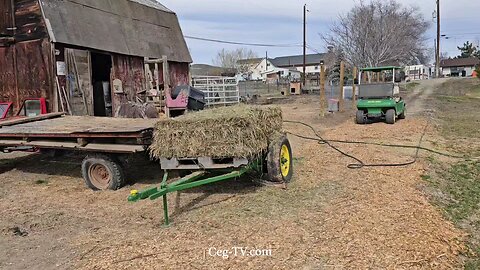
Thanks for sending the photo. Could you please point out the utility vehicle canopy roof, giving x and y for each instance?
(379, 68)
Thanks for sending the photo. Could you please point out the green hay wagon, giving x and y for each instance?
(276, 163)
(378, 99)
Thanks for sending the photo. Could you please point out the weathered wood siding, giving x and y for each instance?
(31, 77)
(29, 21)
(7, 75)
(26, 65)
(34, 70)
(130, 71)
(5, 17)
(179, 73)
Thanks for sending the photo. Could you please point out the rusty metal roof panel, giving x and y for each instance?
(132, 27)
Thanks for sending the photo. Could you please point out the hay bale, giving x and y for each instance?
(237, 131)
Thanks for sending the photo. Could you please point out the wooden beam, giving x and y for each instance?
(18, 121)
(93, 147)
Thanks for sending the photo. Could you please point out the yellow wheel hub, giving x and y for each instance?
(285, 161)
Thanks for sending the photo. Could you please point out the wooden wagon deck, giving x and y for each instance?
(116, 135)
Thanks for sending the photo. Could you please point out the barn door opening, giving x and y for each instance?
(102, 94)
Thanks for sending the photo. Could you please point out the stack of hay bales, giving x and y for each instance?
(238, 131)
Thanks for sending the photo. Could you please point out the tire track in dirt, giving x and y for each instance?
(417, 101)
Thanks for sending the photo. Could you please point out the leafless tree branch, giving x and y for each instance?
(380, 33)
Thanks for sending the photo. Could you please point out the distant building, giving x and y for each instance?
(418, 72)
(296, 61)
(276, 74)
(459, 67)
(260, 68)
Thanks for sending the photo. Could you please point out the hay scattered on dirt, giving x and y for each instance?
(238, 131)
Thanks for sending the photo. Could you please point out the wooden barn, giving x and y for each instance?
(89, 57)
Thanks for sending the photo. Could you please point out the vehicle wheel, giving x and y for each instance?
(280, 161)
(402, 115)
(360, 119)
(390, 116)
(102, 172)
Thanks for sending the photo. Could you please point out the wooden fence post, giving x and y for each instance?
(354, 87)
(342, 84)
(322, 91)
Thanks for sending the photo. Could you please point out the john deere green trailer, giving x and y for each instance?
(379, 99)
(275, 163)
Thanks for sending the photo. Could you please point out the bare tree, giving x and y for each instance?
(231, 59)
(380, 33)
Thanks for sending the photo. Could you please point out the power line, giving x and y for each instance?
(463, 34)
(243, 43)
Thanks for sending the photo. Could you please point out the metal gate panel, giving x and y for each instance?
(219, 91)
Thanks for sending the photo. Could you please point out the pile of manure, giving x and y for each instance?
(239, 131)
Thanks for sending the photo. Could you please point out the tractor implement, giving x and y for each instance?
(276, 162)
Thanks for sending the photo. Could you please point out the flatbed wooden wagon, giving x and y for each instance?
(104, 140)
(107, 141)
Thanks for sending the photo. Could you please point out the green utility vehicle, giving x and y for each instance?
(378, 99)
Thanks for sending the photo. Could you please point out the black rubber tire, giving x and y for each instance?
(360, 118)
(390, 116)
(403, 114)
(113, 167)
(274, 170)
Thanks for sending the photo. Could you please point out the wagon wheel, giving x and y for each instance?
(280, 161)
(102, 172)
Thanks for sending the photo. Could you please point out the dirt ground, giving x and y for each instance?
(329, 217)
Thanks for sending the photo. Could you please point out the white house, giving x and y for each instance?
(459, 67)
(257, 72)
(275, 74)
(288, 66)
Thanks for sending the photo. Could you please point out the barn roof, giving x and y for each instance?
(143, 28)
(297, 60)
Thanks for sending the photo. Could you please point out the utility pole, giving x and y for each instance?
(266, 61)
(437, 53)
(304, 44)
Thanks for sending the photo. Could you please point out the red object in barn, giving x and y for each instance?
(474, 74)
(30, 107)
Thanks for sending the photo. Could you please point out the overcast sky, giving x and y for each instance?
(280, 22)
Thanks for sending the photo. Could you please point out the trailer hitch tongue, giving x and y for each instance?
(136, 195)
